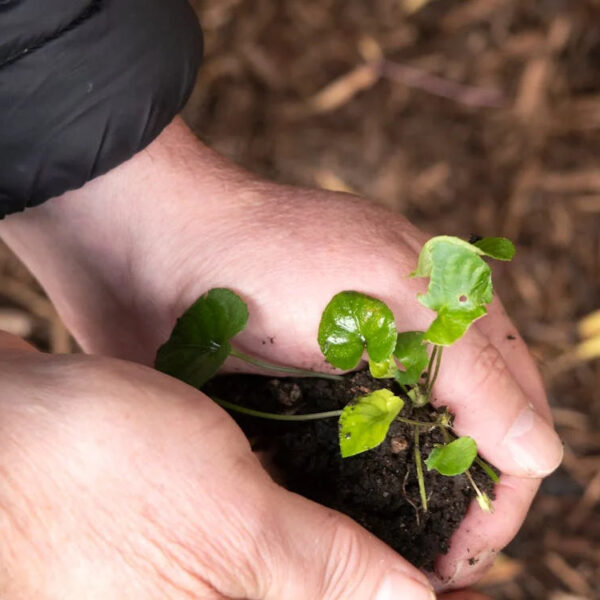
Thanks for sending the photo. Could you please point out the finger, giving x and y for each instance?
(323, 554)
(501, 332)
(10, 343)
(482, 535)
(476, 384)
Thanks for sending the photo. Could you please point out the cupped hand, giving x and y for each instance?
(299, 248)
(119, 482)
(148, 251)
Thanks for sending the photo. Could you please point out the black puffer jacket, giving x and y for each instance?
(84, 85)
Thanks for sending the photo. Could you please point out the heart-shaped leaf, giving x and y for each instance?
(496, 247)
(352, 322)
(459, 288)
(199, 343)
(364, 424)
(453, 458)
(412, 353)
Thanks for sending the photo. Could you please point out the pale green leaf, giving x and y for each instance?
(459, 288)
(364, 424)
(453, 458)
(384, 369)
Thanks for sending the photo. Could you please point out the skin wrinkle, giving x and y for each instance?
(241, 541)
(12, 513)
(345, 556)
(152, 568)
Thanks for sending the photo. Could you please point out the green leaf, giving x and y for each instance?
(450, 325)
(453, 458)
(384, 369)
(364, 424)
(352, 322)
(459, 287)
(496, 247)
(199, 343)
(412, 354)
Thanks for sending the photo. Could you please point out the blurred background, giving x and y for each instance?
(470, 117)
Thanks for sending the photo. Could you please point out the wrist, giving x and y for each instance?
(112, 250)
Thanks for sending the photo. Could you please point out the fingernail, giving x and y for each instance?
(398, 586)
(533, 444)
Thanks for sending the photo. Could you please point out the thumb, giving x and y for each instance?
(323, 554)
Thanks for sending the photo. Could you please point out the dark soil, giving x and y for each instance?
(379, 488)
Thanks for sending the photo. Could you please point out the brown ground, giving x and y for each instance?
(470, 116)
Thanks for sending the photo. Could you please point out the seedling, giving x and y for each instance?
(352, 325)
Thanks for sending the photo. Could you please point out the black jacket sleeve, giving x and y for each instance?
(84, 85)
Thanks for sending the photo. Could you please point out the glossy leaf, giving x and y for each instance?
(459, 288)
(199, 343)
(352, 322)
(453, 458)
(412, 354)
(364, 424)
(496, 247)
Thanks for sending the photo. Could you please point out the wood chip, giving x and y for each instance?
(568, 575)
(503, 570)
(589, 326)
(16, 322)
(343, 89)
(328, 180)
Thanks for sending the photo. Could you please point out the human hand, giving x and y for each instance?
(119, 482)
(287, 251)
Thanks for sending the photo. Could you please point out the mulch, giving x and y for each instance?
(469, 116)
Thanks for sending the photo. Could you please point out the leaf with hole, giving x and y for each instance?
(199, 343)
(352, 322)
(412, 354)
(459, 288)
(453, 458)
(365, 423)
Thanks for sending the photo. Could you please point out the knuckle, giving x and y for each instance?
(488, 368)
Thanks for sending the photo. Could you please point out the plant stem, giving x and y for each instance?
(402, 387)
(275, 416)
(437, 370)
(446, 435)
(487, 469)
(419, 465)
(431, 425)
(289, 370)
(483, 500)
(430, 366)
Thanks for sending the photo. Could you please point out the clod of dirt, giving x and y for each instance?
(379, 488)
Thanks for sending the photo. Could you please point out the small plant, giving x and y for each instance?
(352, 324)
